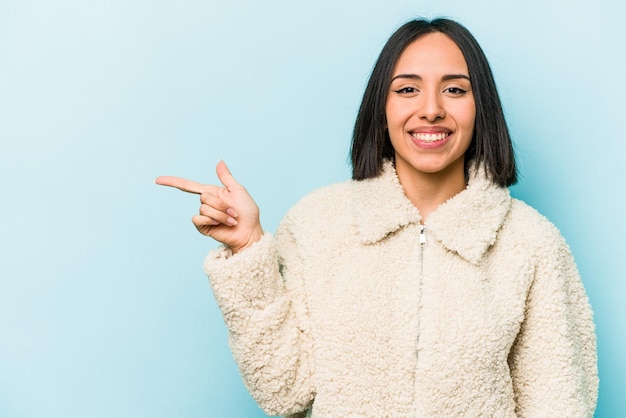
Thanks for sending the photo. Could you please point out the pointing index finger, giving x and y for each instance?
(185, 185)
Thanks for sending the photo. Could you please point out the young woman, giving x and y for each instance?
(420, 288)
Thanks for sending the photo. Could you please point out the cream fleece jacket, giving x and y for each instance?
(354, 310)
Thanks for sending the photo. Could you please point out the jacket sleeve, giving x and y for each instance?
(267, 319)
(553, 361)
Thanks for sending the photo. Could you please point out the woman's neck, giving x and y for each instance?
(429, 190)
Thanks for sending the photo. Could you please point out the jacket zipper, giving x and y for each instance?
(423, 243)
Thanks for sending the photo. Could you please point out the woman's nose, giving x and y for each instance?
(431, 107)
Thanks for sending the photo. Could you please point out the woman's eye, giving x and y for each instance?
(407, 90)
(457, 91)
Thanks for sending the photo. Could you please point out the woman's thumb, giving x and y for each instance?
(225, 176)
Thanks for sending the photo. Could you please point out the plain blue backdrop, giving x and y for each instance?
(104, 309)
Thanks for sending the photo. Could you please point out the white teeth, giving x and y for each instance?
(429, 137)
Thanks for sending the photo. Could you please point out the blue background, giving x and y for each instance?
(104, 309)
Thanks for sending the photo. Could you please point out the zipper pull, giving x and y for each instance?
(423, 236)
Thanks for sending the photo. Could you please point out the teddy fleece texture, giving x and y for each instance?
(353, 309)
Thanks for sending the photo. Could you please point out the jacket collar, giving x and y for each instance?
(467, 223)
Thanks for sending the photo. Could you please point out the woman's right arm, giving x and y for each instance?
(262, 297)
(257, 282)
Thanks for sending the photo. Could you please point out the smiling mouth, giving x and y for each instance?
(429, 137)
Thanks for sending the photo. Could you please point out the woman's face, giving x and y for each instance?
(430, 108)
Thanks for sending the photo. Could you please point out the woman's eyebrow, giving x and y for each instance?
(446, 77)
(409, 76)
(454, 77)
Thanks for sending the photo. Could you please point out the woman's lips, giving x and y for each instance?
(430, 138)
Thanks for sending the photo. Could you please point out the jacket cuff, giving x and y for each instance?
(249, 279)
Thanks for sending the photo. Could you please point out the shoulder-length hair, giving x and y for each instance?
(491, 144)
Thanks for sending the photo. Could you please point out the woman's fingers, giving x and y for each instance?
(216, 208)
(227, 213)
(185, 185)
(190, 186)
(217, 215)
(225, 176)
(214, 201)
(202, 222)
